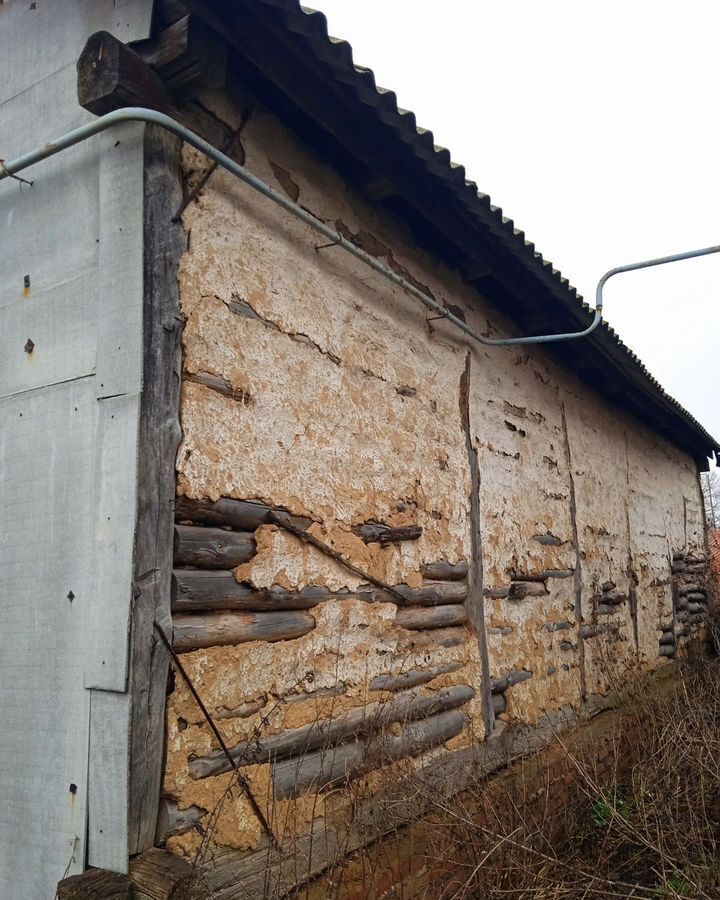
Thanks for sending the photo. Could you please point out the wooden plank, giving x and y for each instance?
(243, 515)
(444, 571)
(420, 619)
(212, 548)
(336, 766)
(362, 721)
(192, 632)
(159, 436)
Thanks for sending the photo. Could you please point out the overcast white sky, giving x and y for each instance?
(596, 126)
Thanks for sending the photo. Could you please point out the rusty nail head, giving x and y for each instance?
(26, 281)
(29, 346)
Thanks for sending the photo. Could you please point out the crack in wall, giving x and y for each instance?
(632, 577)
(475, 602)
(576, 547)
(242, 308)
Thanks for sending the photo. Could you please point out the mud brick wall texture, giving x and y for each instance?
(390, 545)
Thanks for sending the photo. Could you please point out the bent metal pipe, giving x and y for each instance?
(9, 169)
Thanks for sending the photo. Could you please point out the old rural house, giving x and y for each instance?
(378, 547)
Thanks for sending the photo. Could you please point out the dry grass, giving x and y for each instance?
(648, 826)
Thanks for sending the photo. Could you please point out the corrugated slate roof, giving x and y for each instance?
(335, 58)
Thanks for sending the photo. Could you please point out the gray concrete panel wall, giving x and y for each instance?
(71, 293)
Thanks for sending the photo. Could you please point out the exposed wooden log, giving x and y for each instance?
(444, 571)
(209, 590)
(432, 594)
(548, 539)
(95, 884)
(219, 384)
(377, 533)
(308, 538)
(406, 680)
(327, 733)
(193, 632)
(542, 575)
(187, 55)
(242, 515)
(239, 712)
(519, 590)
(173, 820)
(558, 626)
(668, 638)
(374, 816)
(499, 704)
(419, 619)
(212, 548)
(500, 685)
(203, 590)
(159, 875)
(110, 75)
(429, 641)
(667, 650)
(590, 631)
(338, 765)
